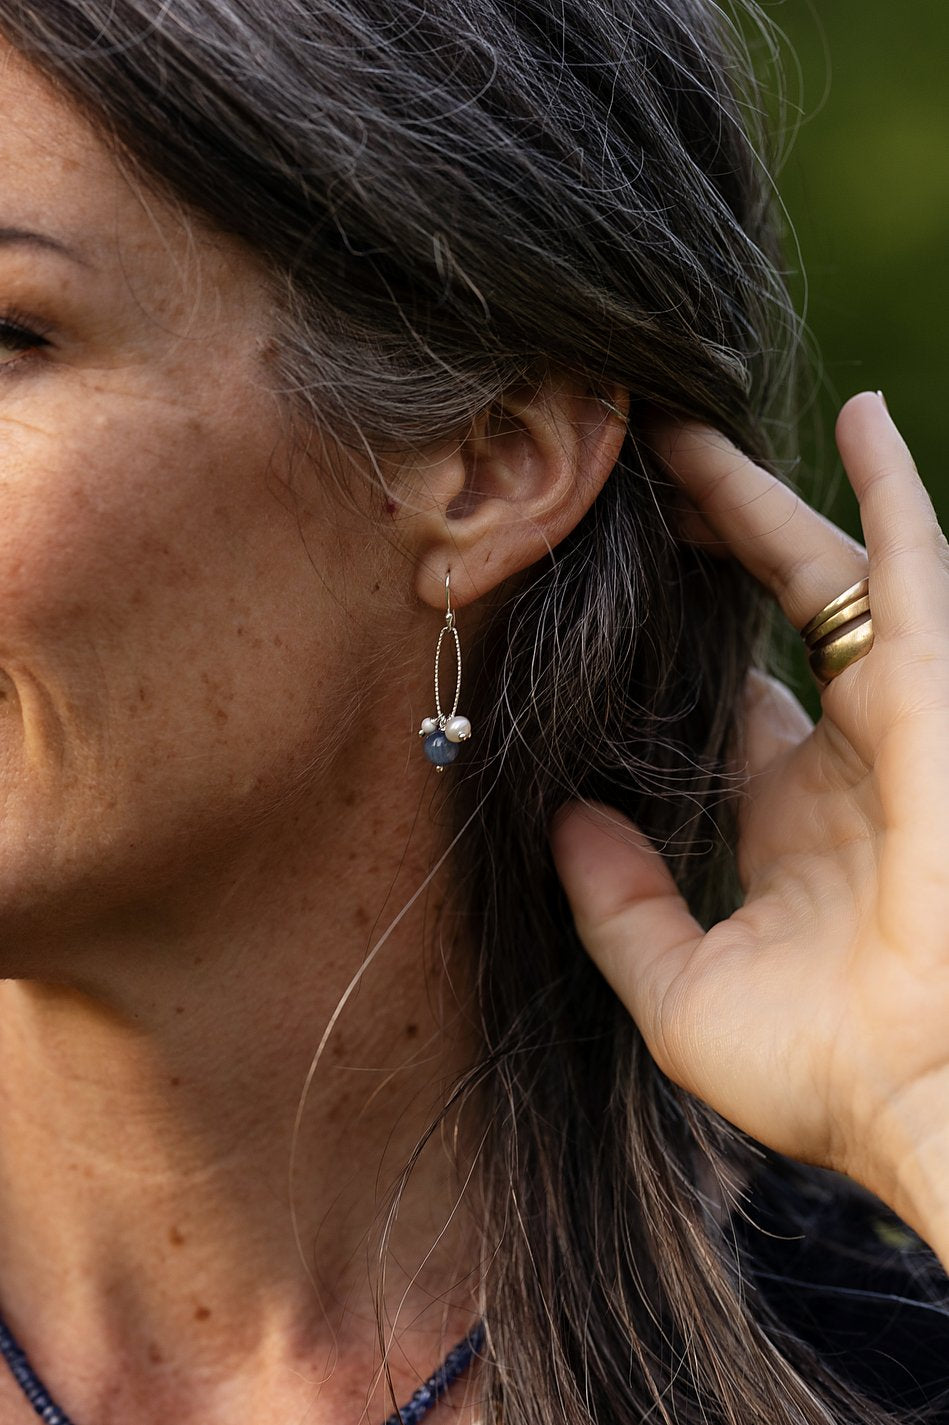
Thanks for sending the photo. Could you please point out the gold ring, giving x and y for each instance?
(839, 633)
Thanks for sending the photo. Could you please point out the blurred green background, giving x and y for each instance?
(866, 186)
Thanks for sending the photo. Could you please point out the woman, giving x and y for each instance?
(332, 329)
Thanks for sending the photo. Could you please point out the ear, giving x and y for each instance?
(523, 477)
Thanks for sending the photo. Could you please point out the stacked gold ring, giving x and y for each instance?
(840, 633)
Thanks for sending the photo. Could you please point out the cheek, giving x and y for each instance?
(168, 639)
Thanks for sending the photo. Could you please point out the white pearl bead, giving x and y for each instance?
(457, 729)
(429, 724)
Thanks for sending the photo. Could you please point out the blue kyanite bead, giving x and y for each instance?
(439, 750)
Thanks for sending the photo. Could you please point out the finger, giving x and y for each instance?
(773, 723)
(692, 529)
(627, 910)
(801, 557)
(909, 563)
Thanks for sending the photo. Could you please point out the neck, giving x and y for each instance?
(185, 1195)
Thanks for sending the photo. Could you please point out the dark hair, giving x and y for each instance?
(452, 197)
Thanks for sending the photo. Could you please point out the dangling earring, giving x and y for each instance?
(445, 731)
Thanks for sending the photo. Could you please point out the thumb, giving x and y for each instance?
(629, 915)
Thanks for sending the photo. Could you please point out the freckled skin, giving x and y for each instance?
(164, 639)
(210, 784)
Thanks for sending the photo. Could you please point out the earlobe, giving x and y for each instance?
(522, 479)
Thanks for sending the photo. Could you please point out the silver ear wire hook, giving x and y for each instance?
(445, 731)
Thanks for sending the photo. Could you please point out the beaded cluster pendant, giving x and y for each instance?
(445, 732)
(443, 737)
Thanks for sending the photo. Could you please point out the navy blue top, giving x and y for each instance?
(849, 1278)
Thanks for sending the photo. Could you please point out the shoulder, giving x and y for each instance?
(845, 1275)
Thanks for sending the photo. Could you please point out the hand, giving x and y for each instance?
(816, 1017)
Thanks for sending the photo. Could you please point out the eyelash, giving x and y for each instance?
(17, 334)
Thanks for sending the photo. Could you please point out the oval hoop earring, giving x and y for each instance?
(444, 732)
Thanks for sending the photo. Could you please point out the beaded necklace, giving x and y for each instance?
(454, 1365)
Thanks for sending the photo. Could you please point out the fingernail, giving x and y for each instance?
(883, 399)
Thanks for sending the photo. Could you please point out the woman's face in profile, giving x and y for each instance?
(173, 654)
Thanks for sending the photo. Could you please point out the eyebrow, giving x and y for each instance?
(11, 236)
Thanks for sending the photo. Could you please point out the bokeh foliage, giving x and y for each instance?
(863, 134)
(866, 187)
